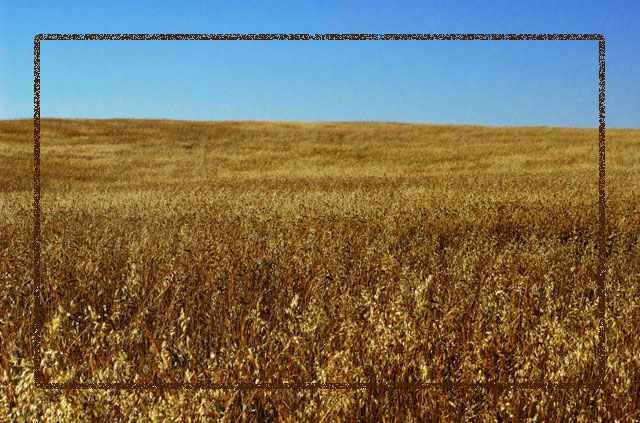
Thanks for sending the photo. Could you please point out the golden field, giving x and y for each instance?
(241, 252)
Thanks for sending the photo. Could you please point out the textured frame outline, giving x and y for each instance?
(41, 380)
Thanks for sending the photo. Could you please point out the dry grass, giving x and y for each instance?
(302, 252)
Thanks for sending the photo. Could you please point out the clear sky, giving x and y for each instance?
(552, 83)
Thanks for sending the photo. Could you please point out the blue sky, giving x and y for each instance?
(552, 83)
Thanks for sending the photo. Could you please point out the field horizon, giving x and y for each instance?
(286, 251)
(391, 122)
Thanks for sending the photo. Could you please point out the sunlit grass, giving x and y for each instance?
(236, 252)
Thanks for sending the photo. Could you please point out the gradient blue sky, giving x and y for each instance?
(552, 83)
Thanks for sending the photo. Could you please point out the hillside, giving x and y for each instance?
(241, 252)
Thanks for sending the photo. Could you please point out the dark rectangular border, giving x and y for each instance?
(39, 377)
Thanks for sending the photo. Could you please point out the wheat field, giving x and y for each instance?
(293, 252)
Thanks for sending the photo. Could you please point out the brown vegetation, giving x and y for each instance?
(240, 252)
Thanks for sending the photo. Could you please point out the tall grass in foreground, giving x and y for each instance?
(235, 252)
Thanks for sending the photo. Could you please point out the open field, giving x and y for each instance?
(236, 252)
